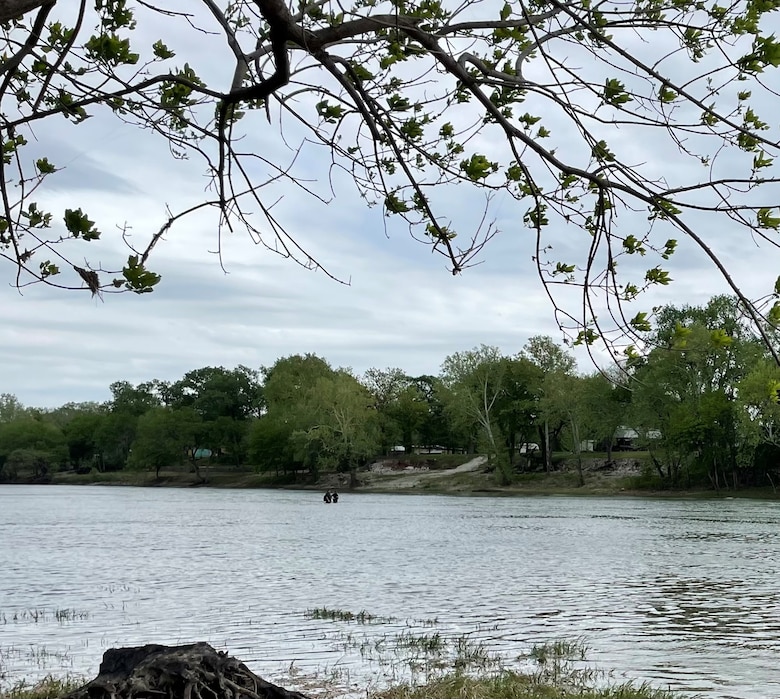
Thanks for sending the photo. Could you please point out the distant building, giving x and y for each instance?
(628, 439)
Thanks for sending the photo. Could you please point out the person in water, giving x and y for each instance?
(328, 497)
(335, 496)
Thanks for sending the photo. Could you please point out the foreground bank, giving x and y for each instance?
(555, 670)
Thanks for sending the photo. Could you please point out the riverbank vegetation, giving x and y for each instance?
(548, 671)
(700, 401)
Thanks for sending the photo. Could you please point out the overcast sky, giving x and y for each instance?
(401, 306)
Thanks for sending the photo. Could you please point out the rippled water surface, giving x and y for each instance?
(682, 593)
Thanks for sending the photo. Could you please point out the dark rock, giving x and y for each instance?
(194, 671)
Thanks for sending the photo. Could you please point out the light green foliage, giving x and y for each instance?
(526, 102)
(686, 389)
(343, 431)
(290, 398)
(11, 408)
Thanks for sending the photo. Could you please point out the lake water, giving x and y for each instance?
(683, 593)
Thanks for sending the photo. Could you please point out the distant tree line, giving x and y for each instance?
(702, 400)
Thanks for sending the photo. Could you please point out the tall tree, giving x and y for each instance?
(163, 438)
(527, 101)
(554, 362)
(475, 380)
(342, 431)
(11, 408)
(606, 401)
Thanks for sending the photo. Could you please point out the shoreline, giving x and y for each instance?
(469, 479)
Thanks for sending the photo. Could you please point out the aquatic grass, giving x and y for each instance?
(362, 617)
(332, 614)
(471, 654)
(427, 622)
(35, 616)
(508, 684)
(47, 688)
(562, 649)
(430, 644)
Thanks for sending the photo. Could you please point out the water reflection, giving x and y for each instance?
(682, 593)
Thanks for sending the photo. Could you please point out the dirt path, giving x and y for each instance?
(417, 479)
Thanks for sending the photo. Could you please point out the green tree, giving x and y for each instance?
(759, 419)
(386, 387)
(11, 408)
(225, 400)
(686, 392)
(553, 362)
(564, 395)
(287, 388)
(354, 80)
(270, 445)
(517, 404)
(114, 438)
(607, 402)
(35, 443)
(133, 400)
(81, 435)
(343, 429)
(475, 381)
(162, 440)
(290, 377)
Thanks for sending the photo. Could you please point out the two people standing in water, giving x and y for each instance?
(330, 497)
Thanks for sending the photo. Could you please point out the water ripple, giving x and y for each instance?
(680, 593)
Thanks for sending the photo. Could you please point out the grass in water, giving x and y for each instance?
(430, 644)
(47, 688)
(508, 684)
(362, 617)
(563, 649)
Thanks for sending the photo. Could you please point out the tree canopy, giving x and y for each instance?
(640, 123)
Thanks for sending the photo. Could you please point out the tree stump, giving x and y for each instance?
(194, 671)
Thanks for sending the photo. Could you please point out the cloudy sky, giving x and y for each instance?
(400, 305)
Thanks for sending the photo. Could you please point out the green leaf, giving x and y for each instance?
(48, 269)
(615, 92)
(44, 166)
(137, 277)
(478, 167)
(396, 103)
(330, 113)
(657, 276)
(506, 10)
(161, 50)
(761, 161)
(111, 50)
(79, 225)
(640, 322)
(602, 152)
(633, 245)
(774, 312)
(395, 205)
(586, 337)
(562, 268)
(669, 248)
(765, 220)
(720, 338)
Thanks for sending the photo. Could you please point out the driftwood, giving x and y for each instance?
(195, 671)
